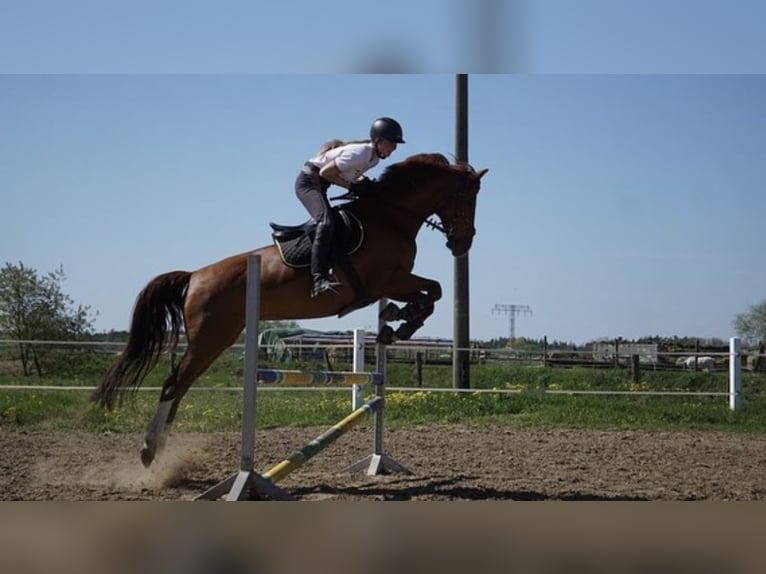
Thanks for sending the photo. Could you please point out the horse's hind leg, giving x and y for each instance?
(159, 427)
(191, 366)
(157, 431)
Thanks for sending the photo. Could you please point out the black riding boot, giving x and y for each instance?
(320, 255)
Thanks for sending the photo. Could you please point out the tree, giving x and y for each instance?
(751, 325)
(33, 307)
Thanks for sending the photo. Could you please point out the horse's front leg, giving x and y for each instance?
(420, 294)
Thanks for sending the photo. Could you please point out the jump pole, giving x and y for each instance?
(735, 373)
(241, 484)
(379, 462)
(328, 437)
(307, 378)
(357, 395)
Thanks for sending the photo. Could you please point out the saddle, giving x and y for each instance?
(294, 241)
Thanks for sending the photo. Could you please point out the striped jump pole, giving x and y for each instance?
(307, 378)
(328, 437)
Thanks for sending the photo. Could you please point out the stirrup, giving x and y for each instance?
(324, 285)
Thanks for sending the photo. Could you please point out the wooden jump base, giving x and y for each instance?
(246, 483)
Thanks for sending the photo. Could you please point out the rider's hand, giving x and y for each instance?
(361, 186)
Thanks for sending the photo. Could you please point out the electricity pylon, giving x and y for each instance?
(511, 311)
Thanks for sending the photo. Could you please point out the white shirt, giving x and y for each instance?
(352, 160)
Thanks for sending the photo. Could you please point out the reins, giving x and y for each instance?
(428, 221)
(435, 225)
(439, 226)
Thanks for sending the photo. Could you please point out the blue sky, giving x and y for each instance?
(616, 204)
(445, 36)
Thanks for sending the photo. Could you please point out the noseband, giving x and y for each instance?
(459, 196)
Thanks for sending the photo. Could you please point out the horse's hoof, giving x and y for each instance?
(147, 456)
(405, 331)
(386, 335)
(389, 313)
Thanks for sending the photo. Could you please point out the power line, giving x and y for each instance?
(512, 311)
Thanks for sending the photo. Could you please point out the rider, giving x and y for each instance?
(343, 164)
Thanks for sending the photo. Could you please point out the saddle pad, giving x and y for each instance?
(348, 237)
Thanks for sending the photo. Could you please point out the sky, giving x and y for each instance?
(625, 193)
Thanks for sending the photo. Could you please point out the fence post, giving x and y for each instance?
(735, 374)
(380, 349)
(696, 355)
(357, 398)
(635, 369)
(419, 368)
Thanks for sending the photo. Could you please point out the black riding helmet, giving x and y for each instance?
(386, 128)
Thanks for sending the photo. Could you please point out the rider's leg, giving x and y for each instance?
(312, 192)
(320, 258)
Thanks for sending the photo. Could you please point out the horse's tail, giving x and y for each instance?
(157, 321)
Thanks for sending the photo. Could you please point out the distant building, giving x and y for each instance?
(302, 344)
(605, 352)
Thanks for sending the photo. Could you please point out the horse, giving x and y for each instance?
(702, 363)
(209, 303)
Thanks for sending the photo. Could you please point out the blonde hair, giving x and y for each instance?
(332, 144)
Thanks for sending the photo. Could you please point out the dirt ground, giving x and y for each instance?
(448, 462)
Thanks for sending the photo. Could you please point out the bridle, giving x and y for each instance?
(435, 225)
(460, 196)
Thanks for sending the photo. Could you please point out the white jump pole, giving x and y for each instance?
(735, 373)
(379, 462)
(241, 484)
(252, 318)
(357, 396)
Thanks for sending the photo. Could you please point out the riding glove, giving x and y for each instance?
(361, 187)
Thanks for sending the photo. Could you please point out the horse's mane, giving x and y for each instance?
(398, 179)
(403, 173)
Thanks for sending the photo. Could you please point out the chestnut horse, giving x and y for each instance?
(210, 302)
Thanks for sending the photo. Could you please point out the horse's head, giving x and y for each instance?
(425, 184)
(458, 211)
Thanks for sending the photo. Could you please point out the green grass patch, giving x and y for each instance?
(221, 410)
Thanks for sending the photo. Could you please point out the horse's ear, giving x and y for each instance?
(480, 173)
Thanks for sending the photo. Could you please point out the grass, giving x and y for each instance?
(528, 406)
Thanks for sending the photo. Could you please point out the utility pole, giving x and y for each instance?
(511, 311)
(461, 364)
